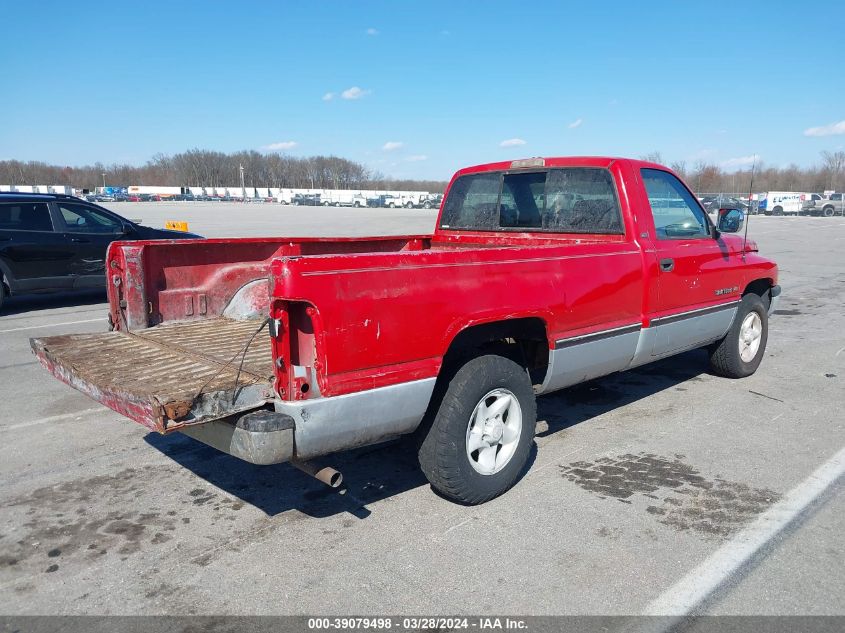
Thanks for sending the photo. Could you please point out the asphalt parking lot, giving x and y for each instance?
(97, 516)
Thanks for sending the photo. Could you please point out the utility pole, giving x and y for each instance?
(104, 182)
(243, 188)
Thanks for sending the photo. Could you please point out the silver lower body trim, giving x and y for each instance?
(577, 361)
(326, 425)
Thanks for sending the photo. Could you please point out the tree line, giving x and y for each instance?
(207, 168)
(198, 167)
(704, 177)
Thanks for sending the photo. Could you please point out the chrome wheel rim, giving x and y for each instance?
(750, 336)
(493, 433)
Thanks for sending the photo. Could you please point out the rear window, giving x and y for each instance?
(25, 216)
(569, 200)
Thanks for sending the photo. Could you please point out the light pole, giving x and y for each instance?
(104, 181)
(243, 188)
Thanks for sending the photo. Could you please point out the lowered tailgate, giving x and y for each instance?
(168, 376)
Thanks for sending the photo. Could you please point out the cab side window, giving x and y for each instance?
(677, 214)
(79, 218)
(25, 216)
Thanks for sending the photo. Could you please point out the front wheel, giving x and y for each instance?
(481, 434)
(827, 212)
(740, 352)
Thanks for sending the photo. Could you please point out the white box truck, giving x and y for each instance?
(781, 202)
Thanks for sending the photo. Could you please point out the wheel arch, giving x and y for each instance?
(524, 340)
(762, 287)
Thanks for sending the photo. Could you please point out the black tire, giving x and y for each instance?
(777, 211)
(392, 206)
(828, 211)
(427, 205)
(2, 292)
(443, 453)
(409, 205)
(725, 358)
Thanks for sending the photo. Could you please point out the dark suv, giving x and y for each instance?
(51, 242)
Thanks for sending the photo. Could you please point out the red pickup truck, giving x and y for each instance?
(540, 274)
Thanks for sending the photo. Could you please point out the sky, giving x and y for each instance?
(420, 89)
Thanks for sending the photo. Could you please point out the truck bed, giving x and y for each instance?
(168, 376)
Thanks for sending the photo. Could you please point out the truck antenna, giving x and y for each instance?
(750, 193)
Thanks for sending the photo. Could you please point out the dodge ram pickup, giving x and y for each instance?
(540, 274)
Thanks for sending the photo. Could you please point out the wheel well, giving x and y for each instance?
(524, 341)
(759, 287)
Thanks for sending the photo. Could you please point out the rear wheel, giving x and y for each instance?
(482, 431)
(827, 211)
(740, 352)
(3, 292)
(778, 210)
(409, 205)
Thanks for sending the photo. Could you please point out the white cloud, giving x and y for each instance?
(416, 158)
(354, 93)
(328, 96)
(512, 142)
(739, 161)
(826, 130)
(372, 31)
(575, 123)
(280, 146)
(392, 145)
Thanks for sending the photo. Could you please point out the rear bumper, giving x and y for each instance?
(262, 437)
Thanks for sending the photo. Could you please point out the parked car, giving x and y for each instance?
(448, 335)
(431, 202)
(306, 199)
(828, 207)
(51, 242)
(714, 203)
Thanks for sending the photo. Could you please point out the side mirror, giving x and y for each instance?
(730, 220)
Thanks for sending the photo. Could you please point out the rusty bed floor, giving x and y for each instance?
(169, 363)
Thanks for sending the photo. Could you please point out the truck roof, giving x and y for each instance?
(553, 161)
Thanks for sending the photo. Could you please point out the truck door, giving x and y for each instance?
(88, 231)
(697, 291)
(33, 255)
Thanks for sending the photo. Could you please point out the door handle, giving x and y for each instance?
(79, 240)
(667, 265)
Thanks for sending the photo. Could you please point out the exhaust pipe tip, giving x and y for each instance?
(326, 474)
